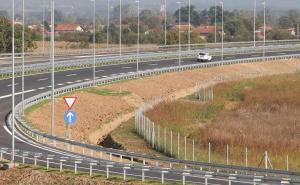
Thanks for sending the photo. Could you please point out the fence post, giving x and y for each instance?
(48, 162)
(153, 135)
(163, 176)
(171, 144)
(193, 150)
(61, 165)
(91, 169)
(23, 157)
(75, 167)
(143, 174)
(178, 145)
(183, 177)
(246, 160)
(287, 162)
(165, 140)
(227, 154)
(209, 153)
(107, 170)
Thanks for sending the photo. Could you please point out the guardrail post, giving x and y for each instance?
(91, 169)
(61, 165)
(107, 170)
(143, 174)
(121, 158)
(183, 177)
(124, 172)
(163, 176)
(76, 165)
(1, 154)
(110, 156)
(35, 160)
(48, 162)
(209, 153)
(23, 157)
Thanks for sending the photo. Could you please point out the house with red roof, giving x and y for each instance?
(68, 28)
(184, 27)
(204, 30)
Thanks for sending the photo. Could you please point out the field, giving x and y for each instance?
(260, 114)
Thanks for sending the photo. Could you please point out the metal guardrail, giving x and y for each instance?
(131, 58)
(39, 136)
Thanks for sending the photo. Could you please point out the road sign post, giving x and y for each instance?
(70, 116)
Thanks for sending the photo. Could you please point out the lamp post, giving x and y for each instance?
(189, 35)
(53, 69)
(179, 34)
(23, 52)
(215, 21)
(120, 38)
(13, 82)
(165, 12)
(43, 27)
(107, 28)
(254, 24)
(138, 37)
(222, 5)
(264, 50)
(94, 42)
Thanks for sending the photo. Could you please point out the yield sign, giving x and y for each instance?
(70, 101)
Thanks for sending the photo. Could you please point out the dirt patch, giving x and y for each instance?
(99, 115)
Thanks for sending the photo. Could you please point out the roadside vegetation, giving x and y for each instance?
(260, 115)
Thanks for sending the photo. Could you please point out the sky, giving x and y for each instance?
(83, 6)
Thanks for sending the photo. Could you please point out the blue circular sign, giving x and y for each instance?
(70, 117)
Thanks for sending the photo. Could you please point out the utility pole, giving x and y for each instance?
(52, 71)
(254, 24)
(138, 38)
(23, 52)
(13, 82)
(107, 28)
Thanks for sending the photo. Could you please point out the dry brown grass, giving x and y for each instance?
(261, 114)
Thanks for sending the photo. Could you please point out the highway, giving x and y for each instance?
(37, 84)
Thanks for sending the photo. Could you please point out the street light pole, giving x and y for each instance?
(222, 3)
(13, 82)
(107, 31)
(179, 34)
(120, 38)
(43, 27)
(264, 50)
(23, 52)
(254, 24)
(215, 21)
(138, 38)
(189, 25)
(165, 12)
(94, 42)
(53, 69)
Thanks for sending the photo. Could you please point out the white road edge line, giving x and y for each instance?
(9, 95)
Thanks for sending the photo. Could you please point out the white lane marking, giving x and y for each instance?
(70, 82)
(152, 64)
(41, 88)
(126, 67)
(60, 84)
(42, 79)
(49, 86)
(9, 95)
(11, 85)
(78, 81)
(101, 70)
(71, 75)
(87, 79)
(104, 76)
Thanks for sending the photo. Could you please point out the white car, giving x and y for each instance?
(204, 57)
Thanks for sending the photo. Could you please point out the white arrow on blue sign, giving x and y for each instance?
(70, 117)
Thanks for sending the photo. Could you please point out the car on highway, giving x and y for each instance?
(204, 57)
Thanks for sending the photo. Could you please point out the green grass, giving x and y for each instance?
(35, 107)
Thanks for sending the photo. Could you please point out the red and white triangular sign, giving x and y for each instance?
(70, 101)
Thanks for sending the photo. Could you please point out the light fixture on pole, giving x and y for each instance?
(264, 49)
(107, 28)
(222, 5)
(254, 24)
(138, 37)
(94, 42)
(52, 71)
(179, 33)
(23, 53)
(13, 82)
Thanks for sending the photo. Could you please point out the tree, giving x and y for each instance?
(6, 37)
(279, 34)
(285, 22)
(195, 16)
(150, 19)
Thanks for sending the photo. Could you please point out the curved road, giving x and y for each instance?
(40, 83)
